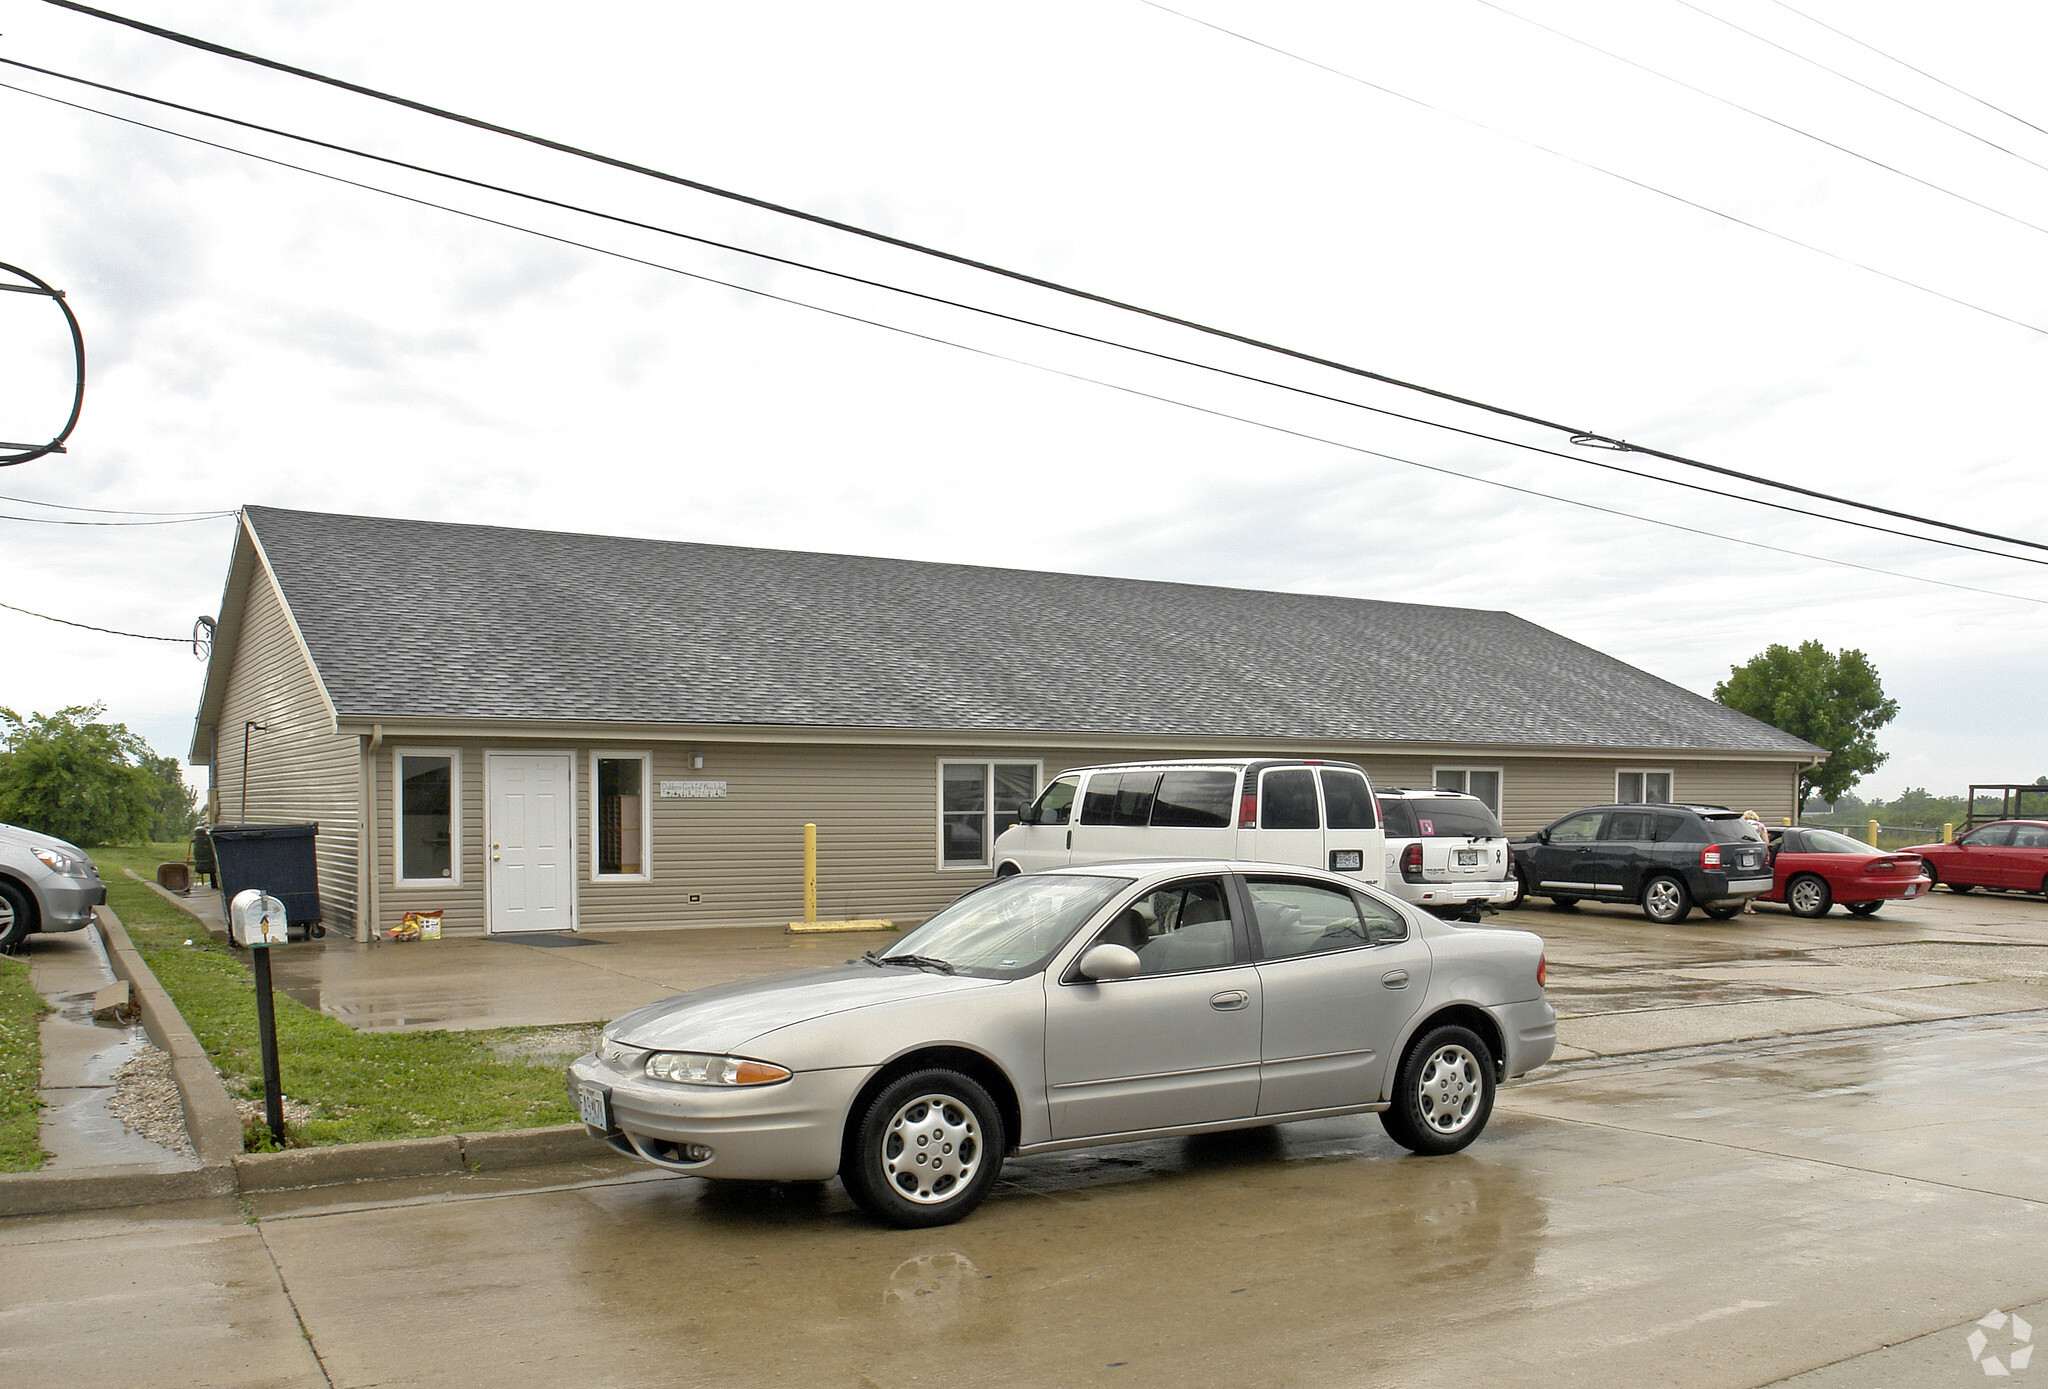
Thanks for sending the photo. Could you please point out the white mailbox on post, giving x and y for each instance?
(256, 919)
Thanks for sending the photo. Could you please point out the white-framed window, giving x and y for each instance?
(1636, 784)
(1483, 782)
(978, 800)
(428, 790)
(621, 817)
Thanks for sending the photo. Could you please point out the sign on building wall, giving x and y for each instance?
(693, 790)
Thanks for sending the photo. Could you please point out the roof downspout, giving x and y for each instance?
(367, 915)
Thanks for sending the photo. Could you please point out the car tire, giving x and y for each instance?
(1808, 894)
(1007, 870)
(1443, 1092)
(1666, 900)
(17, 917)
(1723, 913)
(1862, 908)
(926, 1151)
(1521, 891)
(1564, 904)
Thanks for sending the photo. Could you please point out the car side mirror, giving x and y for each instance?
(1028, 815)
(1107, 961)
(1543, 836)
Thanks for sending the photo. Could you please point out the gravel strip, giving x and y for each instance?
(146, 1100)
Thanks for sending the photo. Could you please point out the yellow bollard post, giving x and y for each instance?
(1873, 834)
(1948, 834)
(810, 873)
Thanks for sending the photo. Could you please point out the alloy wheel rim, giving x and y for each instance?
(1663, 899)
(1448, 1088)
(1806, 894)
(931, 1149)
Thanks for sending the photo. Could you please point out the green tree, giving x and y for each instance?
(1832, 699)
(175, 806)
(73, 775)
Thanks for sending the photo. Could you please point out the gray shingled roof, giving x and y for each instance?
(415, 619)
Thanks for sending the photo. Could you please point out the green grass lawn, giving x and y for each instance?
(21, 1069)
(360, 1085)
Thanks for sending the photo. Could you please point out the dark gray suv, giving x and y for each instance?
(1665, 858)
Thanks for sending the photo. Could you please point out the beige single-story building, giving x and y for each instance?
(537, 731)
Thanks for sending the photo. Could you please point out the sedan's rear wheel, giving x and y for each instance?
(1443, 1092)
(1564, 904)
(1809, 895)
(1666, 901)
(17, 917)
(1863, 908)
(926, 1152)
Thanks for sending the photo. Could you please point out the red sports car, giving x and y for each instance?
(2010, 854)
(1816, 868)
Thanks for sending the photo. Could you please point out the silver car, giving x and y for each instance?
(1076, 1007)
(45, 885)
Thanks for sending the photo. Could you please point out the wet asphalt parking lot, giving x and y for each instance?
(1777, 1151)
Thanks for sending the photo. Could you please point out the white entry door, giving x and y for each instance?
(533, 840)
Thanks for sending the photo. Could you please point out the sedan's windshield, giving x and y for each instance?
(1009, 928)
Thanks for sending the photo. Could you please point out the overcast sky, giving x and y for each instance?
(261, 335)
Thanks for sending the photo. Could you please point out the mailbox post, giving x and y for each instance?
(257, 922)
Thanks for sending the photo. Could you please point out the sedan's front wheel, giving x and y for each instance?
(1443, 1092)
(927, 1150)
(1665, 900)
(17, 917)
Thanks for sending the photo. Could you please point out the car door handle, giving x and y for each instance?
(1395, 978)
(1229, 1000)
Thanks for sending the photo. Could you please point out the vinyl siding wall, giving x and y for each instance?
(299, 768)
(877, 812)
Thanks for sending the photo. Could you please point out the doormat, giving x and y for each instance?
(536, 938)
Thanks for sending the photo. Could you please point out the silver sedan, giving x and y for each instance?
(1076, 1007)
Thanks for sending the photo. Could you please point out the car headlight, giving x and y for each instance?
(58, 863)
(692, 1068)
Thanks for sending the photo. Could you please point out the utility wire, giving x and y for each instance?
(991, 355)
(69, 521)
(1732, 104)
(1909, 67)
(115, 511)
(1578, 436)
(1576, 459)
(1874, 91)
(1595, 168)
(139, 636)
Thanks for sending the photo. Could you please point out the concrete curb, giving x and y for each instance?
(57, 1193)
(211, 1119)
(455, 1155)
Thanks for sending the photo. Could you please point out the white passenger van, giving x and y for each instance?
(1263, 809)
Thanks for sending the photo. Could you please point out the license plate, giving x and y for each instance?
(1913, 891)
(1468, 858)
(594, 1106)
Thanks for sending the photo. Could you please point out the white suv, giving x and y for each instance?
(1446, 852)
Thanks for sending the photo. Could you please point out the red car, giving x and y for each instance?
(1816, 868)
(2010, 854)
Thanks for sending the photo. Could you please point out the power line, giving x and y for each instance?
(1582, 437)
(114, 511)
(923, 296)
(1909, 67)
(175, 521)
(1853, 81)
(1733, 105)
(1035, 366)
(87, 626)
(1595, 168)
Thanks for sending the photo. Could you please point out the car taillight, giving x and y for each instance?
(1710, 857)
(1411, 862)
(1542, 971)
(1248, 811)
(1884, 867)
